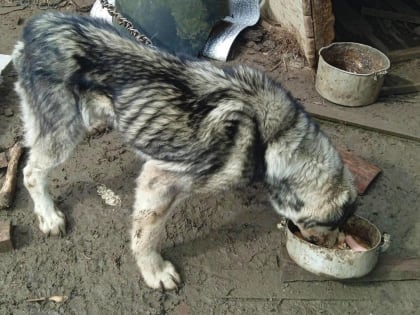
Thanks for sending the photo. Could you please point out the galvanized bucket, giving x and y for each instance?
(350, 74)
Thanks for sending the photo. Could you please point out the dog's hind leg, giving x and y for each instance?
(157, 194)
(51, 136)
(51, 220)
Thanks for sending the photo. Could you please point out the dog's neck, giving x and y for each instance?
(305, 176)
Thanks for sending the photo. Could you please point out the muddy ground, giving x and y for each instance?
(227, 249)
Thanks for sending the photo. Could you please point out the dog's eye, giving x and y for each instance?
(313, 240)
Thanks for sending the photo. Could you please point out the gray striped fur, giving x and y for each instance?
(200, 128)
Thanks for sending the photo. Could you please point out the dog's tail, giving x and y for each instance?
(17, 55)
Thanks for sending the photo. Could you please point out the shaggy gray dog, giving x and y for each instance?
(198, 127)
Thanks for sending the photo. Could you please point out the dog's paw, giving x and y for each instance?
(53, 224)
(164, 277)
(160, 274)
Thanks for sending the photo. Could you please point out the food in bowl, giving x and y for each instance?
(346, 241)
(338, 263)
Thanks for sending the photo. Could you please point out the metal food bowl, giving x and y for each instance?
(338, 263)
(351, 74)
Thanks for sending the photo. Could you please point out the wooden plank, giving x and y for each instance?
(396, 115)
(400, 89)
(236, 284)
(3, 160)
(357, 25)
(7, 191)
(5, 236)
(390, 15)
(323, 19)
(404, 54)
(389, 268)
(310, 53)
(306, 8)
(308, 26)
(379, 117)
(363, 172)
(403, 78)
(401, 6)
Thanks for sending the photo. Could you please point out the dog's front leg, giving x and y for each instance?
(156, 195)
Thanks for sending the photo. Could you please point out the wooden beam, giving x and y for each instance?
(404, 54)
(7, 191)
(5, 236)
(400, 89)
(390, 15)
(323, 19)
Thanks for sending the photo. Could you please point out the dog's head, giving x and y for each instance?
(317, 210)
(323, 230)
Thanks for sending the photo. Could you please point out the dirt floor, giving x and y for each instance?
(227, 249)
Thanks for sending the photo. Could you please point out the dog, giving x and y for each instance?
(199, 129)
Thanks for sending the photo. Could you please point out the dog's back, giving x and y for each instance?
(189, 114)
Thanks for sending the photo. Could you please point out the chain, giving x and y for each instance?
(126, 23)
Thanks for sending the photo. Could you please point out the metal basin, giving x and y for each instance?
(338, 263)
(351, 74)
